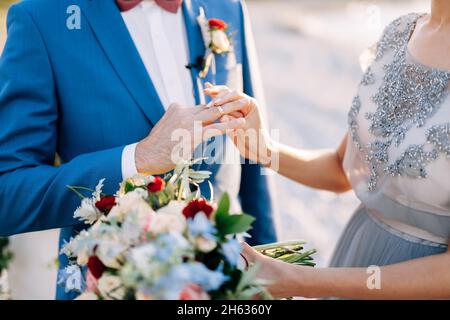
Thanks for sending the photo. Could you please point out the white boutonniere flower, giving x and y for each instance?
(217, 39)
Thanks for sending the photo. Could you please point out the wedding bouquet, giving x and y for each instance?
(157, 239)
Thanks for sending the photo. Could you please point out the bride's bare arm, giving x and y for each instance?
(321, 169)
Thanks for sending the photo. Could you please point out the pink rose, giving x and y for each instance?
(91, 282)
(193, 292)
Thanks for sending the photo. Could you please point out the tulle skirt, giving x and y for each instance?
(368, 241)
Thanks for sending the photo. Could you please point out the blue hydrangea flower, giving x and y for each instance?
(208, 279)
(232, 251)
(201, 226)
(168, 244)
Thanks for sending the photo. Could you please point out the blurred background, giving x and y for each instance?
(309, 55)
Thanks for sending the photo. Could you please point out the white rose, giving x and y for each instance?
(205, 245)
(87, 296)
(110, 253)
(82, 258)
(220, 41)
(173, 207)
(111, 287)
(167, 222)
(132, 201)
(169, 218)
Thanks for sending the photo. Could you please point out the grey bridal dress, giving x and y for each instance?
(398, 157)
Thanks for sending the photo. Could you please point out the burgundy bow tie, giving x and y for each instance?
(169, 5)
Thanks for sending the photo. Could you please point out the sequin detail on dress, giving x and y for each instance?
(414, 160)
(408, 95)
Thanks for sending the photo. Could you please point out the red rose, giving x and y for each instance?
(196, 206)
(157, 185)
(96, 266)
(105, 204)
(217, 24)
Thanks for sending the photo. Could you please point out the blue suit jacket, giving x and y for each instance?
(85, 94)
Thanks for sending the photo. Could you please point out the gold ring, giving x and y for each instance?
(222, 113)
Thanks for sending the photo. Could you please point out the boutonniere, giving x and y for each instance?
(217, 39)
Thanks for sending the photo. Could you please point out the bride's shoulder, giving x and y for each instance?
(401, 24)
(394, 36)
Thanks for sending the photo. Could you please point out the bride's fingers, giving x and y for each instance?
(250, 254)
(237, 114)
(229, 97)
(217, 129)
(209, 114)
(214, 91)
(240, 106)
(227, 118)
(212, 114)
(231, 116)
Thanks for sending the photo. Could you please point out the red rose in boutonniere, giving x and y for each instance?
(220, 39)
(217, 24)
(217, 39)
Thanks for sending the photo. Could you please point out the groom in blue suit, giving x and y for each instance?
(89, 80)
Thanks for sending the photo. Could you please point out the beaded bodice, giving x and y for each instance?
(399, 125)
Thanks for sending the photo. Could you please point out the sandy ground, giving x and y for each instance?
(309, 54)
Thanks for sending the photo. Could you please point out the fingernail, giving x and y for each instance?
(217, 101)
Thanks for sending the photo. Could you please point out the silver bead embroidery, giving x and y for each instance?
(407, 97)
(368, 77)
(439, 136)
(413, 161)
(353, 124)
(394, 38)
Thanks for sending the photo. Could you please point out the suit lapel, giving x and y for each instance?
(112, 34)
(195, 43)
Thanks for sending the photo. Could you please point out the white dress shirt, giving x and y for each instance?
(161, 40)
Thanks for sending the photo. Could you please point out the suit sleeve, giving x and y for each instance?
(33, 192)
(255, 191)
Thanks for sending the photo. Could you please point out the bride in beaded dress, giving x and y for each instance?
(395, 157)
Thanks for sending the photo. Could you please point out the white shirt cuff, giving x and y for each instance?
(128, 161)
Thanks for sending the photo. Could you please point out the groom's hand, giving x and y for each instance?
(155, 153)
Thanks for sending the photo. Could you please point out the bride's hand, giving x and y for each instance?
(253, 140)
(273, 271)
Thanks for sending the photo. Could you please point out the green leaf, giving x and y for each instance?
(129, 187)
(223, 207)
(232, 224)
(227, 223)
